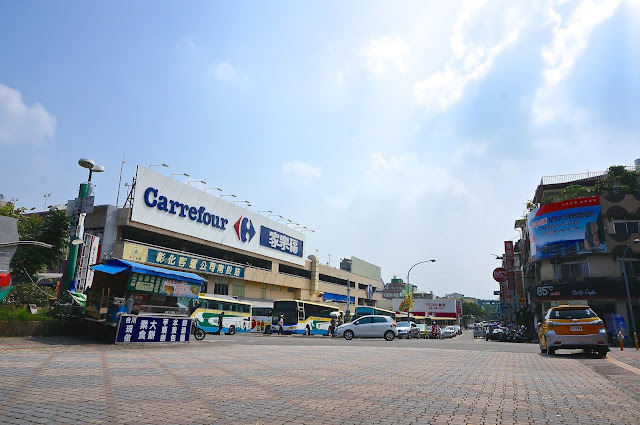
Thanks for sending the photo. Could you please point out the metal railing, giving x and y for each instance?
(590, 175)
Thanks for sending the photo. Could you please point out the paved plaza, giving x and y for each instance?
(274, 380)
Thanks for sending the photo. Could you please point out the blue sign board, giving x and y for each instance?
(155, 256)
(496, 292)
(148, 329)
(279, 241)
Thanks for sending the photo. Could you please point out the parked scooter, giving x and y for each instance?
(197, 332)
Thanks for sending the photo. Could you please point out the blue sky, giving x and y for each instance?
(398, 132)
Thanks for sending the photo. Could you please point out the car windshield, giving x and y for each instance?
(573, 313)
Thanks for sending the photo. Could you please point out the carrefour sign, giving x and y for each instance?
(168, 204)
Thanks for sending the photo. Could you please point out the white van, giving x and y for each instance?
(478, 331)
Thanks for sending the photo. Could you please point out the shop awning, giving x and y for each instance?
(115, 266)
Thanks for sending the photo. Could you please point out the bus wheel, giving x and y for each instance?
(232, 330)
(308, 331)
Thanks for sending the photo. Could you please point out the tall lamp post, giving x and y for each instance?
(626, 284)
(78, 221)
(408, 284)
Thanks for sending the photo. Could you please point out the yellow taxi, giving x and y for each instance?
(572, 327)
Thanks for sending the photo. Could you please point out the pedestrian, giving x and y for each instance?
(281, 325)
(332, 327)
(340, 320)
(220, 323)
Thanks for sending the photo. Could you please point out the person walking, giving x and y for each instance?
(220, 323)
(340, 320)
(332, 327)
(281, 325)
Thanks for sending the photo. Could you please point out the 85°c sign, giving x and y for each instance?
(500, 274)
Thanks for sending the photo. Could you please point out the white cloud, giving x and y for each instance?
(570, 38)
(223, 71)
(301, 170)
(384, 55)
(20, 123)
(474, 50)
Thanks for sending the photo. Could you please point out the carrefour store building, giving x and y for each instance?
(242, 254)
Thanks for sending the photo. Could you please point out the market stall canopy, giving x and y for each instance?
(115, 266)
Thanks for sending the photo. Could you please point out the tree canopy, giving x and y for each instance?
(618, 180)
(53, 229)
(472, 309)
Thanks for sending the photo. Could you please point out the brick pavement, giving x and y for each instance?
(206, 383)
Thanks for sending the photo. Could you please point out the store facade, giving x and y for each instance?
(239, 253)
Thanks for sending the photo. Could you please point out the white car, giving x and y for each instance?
(374, 326)
(448, 332)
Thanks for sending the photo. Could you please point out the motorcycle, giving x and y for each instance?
(197, 332)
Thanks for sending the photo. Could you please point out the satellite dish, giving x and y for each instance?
(87, 163)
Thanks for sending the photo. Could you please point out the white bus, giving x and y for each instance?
(303, 317)
(261, 316)
(236, 314)
(367, 311)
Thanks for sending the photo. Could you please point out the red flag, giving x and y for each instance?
(5, 279)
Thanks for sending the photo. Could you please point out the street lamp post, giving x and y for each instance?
(626, 284)
(196, 181)
(159, 165)
(77, 232)
(233, 196)
(180, 174)
(46, 195)
(408, 284)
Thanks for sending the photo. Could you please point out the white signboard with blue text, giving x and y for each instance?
(165, 203)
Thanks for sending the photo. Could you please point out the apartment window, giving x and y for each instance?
(633, 267)
(263, 291)
(571, 270)
(626, 226)
(237, 288)
(221, 286)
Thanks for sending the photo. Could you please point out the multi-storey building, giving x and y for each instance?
(572, 251)
(168, 224)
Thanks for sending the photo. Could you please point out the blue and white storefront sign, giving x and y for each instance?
(171, 205)
(280, 241)
(148, 329)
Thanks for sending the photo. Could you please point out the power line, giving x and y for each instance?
(456, 271)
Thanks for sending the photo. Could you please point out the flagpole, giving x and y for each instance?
(119, 182)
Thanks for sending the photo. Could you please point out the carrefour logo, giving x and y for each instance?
(244, 229)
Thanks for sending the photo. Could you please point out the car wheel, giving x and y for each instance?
(307, 331)
(409, 336)
(602, 353)
(388, 335)
(348, 335)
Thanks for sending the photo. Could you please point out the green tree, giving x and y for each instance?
(53, 229)
(573, 191)
(472, 309)
(618, 180)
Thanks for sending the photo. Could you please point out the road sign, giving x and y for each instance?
(500, 274)
(496, 292)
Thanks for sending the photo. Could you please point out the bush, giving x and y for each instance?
(27, 293)
(22, 315)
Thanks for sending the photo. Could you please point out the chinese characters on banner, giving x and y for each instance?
(510, 264)
(147, 329)
(279, 241)
(155, 256)
(159, 285)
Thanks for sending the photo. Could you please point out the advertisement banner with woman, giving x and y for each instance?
(566, 228)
